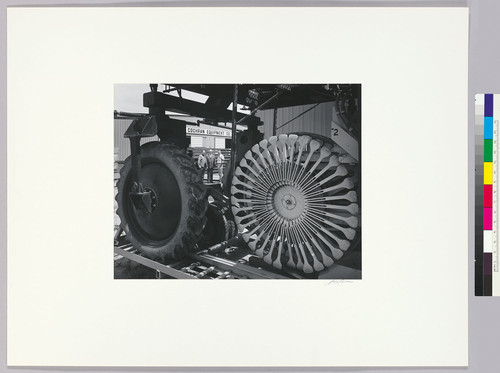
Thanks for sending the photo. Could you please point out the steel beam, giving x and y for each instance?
(181, 105)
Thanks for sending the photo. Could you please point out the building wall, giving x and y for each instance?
(122, 145)
(317, 120)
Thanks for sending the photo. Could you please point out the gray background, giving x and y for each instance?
(484, 77)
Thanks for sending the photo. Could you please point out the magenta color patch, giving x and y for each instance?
(487, 219)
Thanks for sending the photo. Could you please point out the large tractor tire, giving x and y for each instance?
(177, 219)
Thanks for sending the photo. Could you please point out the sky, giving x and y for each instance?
(128, 97)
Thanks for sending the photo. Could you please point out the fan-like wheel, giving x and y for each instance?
(294, 204)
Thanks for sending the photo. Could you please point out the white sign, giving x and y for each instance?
(193, 130)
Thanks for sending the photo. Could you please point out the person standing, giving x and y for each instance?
(210, 165)
(220, 164)
(202, 163)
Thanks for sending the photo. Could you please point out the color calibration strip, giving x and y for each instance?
(487, 116)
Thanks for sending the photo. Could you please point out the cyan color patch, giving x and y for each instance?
(488, 127)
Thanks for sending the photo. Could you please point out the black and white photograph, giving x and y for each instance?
(237, 181)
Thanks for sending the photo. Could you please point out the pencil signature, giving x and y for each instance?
(339, 282)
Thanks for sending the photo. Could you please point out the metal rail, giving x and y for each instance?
(165, 269)
(237, 268)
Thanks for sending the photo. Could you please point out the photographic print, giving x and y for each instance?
(281, 210)
(237, 181)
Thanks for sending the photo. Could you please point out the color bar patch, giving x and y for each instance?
(488, 173)
(487, 219)
(488, 128)
(487, 263)
(488, 241)
(488, 150)
(488, 195)
(488, 105)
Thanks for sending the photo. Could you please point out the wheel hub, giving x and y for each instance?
(289, 202)
(154, 198)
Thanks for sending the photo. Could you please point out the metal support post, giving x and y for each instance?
(275, 119)
(233, 135)
(135, 153)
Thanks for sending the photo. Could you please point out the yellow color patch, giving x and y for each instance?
(488, 173)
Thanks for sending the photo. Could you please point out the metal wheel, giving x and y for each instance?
(178, 203)
(294, 203)
(230, 227)
(217, 228)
